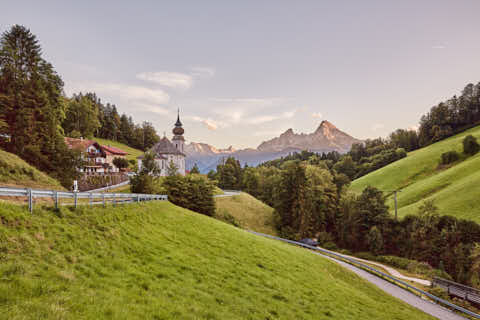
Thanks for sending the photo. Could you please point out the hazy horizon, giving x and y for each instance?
(244, 72)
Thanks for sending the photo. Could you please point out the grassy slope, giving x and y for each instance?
(248, 212)
(132, 152)
(454, 190)
(158, 261)
(16, 172)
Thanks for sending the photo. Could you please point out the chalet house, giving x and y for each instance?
(98, 159)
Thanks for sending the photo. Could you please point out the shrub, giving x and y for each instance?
(449, 157)
(194, 192)
(330, 246)
(470, 145)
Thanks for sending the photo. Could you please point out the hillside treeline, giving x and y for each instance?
(451, 116)
(87, 116)
(35, 114)
(311, 200)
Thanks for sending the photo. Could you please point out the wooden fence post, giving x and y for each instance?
(30, 200)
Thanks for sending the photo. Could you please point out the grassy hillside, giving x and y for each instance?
(158, 261)
(454, 189)
(15, 172)
(132, 152)
(246, 212)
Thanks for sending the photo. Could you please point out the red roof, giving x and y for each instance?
(113, 150)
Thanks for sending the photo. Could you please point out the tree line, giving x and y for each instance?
(311, 200)
(35, 113)
(87, 116)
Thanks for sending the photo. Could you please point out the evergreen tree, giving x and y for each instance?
(32, 106)
(195, 169)
(470, 145)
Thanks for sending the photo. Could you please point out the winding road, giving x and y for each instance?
(406, 296)
(390, 270)
(426, 306)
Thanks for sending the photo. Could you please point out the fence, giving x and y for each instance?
(115, 198)
(458, 290)
(388, 277)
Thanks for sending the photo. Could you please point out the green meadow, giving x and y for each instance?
(15, 172)
(454, 188)
(158, 261)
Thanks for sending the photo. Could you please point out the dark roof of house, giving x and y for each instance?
(80, 144)
(164, 146)
(113, 150)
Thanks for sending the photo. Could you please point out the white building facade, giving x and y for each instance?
(166, 151)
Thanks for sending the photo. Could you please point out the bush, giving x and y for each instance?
(120, 163)
(194, 192)
(330, 246)
(449, 157)
(470, 145)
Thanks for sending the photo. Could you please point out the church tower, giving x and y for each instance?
(178, 139)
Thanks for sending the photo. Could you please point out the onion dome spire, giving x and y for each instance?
(178, 123)
(178, 130)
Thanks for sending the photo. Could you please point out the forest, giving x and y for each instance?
(36, 115)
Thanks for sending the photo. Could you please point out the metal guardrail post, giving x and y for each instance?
(114, 200)
(103, 200)
(90, 199)
(55, 199)
(138, 198)
(30, 200)
(75, 198)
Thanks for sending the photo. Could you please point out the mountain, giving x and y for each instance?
(326, 138)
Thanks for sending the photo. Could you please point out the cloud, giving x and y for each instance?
(378, 126)
(202, 72)
(439, 47)
(209, 123)
(154, 96)
(141, 98)
(269, 118)
(317, 115)
(168, 79)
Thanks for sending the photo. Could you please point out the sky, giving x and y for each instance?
(243, 72)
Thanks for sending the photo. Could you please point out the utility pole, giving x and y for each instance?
(395, 196)
(395, 200)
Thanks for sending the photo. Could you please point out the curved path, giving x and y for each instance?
(406, 296)
(228, 193)
(390, 270)
(426, 306)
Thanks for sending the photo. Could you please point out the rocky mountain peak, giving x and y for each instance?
(327, 137)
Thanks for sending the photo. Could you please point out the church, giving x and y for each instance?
(167, 151)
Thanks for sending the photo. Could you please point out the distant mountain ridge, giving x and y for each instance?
(326, 138)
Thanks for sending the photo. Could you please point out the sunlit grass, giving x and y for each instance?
(157, 261)
(454, 189)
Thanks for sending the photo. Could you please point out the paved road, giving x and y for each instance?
(431, 308)
(228, 193)
(390, 270)
(426, 306)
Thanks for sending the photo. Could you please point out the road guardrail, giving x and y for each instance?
(101, 198)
